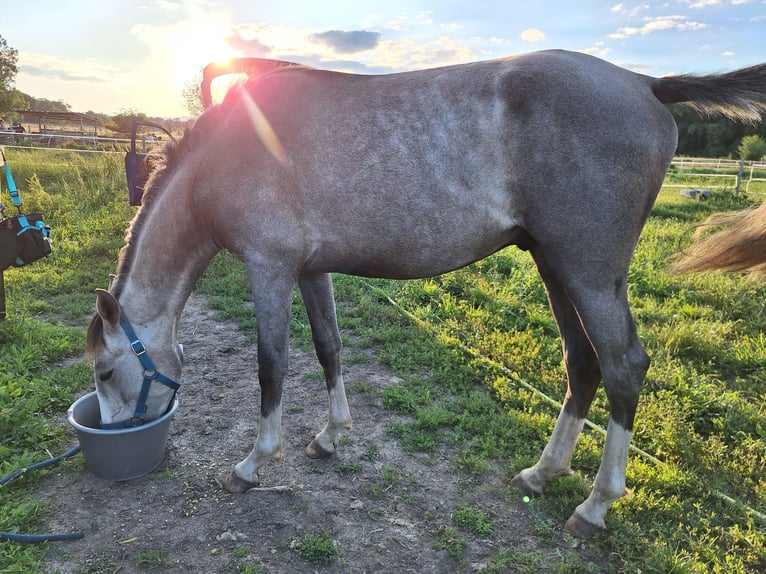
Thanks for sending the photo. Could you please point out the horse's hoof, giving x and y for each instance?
(316, 451)
(237, 485)
(581, 528)
(519, 482)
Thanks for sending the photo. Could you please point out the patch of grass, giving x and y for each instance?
(364, 388)
(510, 559)
(152, 559)
(474, 521)
(390, 474)
(412, 438)
(348, 469)
(451, 542)
(513, 560)
(371, 453)
(318, 548)
(249, 568)
(48, 303)
(358, 358)
(243, 563)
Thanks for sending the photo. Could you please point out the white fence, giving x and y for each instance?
(734, 173)
(75, 142)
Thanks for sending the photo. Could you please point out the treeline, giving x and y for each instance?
(714, 137)
(119, 123)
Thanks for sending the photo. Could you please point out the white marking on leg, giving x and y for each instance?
(609, 485)
(556, 458)
(268, 447)
(339, 418)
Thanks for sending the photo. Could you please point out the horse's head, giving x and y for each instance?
(136, 378)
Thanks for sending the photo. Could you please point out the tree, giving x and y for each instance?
(752, 148)
(123, 122)
(711, 136)
(192, 95)
(9, 58)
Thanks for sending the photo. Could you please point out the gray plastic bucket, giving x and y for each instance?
(118, 454)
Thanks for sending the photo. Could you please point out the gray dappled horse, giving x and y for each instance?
(304, 172)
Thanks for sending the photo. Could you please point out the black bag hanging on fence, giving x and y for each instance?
(24, 238)
(138, 165)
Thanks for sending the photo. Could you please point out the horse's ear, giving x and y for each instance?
(107, 307)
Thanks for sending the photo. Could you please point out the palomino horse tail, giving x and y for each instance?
(739, 95)
(740, 246)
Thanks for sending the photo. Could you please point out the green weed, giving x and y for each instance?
(348, 469)
(152, 559)
(451, 542)
(318, 549)
(474, 521)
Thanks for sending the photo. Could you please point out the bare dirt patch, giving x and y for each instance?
(384, 509)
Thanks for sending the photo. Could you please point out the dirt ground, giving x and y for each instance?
(382, 507)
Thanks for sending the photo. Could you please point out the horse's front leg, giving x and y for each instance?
(272, 308)
(318, 298)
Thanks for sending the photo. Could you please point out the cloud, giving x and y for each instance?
(244, 45)
(532, 35)
(705, 3)
(324, 50)
(629, 10)
(348, 42)
(598, 49)
(407, 54)
(659, 24)
(44, 66)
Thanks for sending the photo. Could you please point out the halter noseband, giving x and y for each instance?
(151, 374)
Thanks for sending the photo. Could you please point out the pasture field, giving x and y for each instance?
(480, 364)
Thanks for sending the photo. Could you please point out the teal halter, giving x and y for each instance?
(151, 374)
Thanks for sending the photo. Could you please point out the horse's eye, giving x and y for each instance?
(105, 376)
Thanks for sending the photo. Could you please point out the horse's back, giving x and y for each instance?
(446, 165)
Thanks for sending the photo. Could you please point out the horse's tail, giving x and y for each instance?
(740, 246)
(738, 95)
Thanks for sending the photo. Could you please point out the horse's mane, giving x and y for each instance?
(162, 167)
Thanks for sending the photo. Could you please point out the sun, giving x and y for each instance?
(196, 44)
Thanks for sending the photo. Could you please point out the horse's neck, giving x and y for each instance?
(170, 255)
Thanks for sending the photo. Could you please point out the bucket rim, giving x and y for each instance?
(123, 431)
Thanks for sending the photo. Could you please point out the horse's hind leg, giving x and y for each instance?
(610, 327)
(583, 375)
(318, 298)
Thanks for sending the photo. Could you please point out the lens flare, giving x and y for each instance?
(263, 128)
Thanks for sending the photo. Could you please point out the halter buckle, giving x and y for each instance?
(138, 347)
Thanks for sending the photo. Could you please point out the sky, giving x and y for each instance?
(110, 56)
